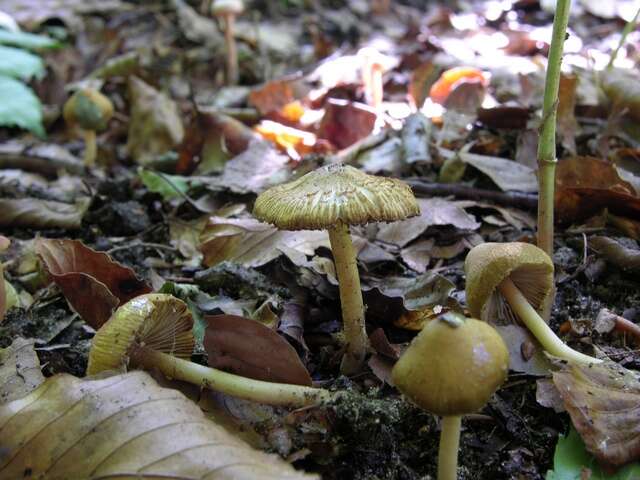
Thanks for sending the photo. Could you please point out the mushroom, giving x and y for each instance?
(452, 368)
(512, 283)
(333, 198)
(154, 331)
(91, 111)
(227, 10)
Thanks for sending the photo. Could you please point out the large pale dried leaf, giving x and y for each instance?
(506, 174)
(524, 353)
(433, 211)
(623, 89)
(19, 370)
(614, 252)
(249, 348)
(36, 213)
(418, 292)
(604, 403)
(93, 284)
(123, 426)
(253, 243)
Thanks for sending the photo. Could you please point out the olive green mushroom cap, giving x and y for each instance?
(89, 109)
(155, 320)
(220, 7)
(453, 366)
(488, 264)
(332, 195)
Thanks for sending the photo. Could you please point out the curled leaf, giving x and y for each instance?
(36, 213)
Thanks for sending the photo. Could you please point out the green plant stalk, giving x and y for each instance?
(448, 449)
(538, 327)
(90, 148)
(355, 333)
(547, 144)
(631, 24)
(228, 383)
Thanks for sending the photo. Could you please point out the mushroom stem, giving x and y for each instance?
(228, 383)
(350, 298)
(448, 450)
(90, 147)
(538, 327)
(232, 53)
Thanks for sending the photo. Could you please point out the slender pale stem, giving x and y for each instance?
(232, 52)
(631, 24)
(228, 383)
(538, 327)
(547, 143)
(448, 451)
(90, 148)
(355, 333)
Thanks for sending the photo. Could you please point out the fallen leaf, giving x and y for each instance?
(418, 255)
(273, 96)
(36, 213)
(506, 174)
(623, 89)
(566, 120)
(252, 243)
(516, 337)
(417, 292)
(195, 27)
(452, 78)
(124, 426)
(248, 348)
(93, 283)
(19, 370)
(416, 135)
(548, 396)
(603, 401)
(344, 122)
(625, 258)
(422, 78)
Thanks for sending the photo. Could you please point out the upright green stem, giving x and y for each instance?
(631, 24)
(538, 327)
(90, 148)
(547, 144)
(448, 450)
(355, 333)
(228, 383)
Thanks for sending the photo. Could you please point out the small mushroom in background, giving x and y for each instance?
(89, 110)
(227, 10)
(450, 369)
(154, 331)
(513, 283)
(333, 198)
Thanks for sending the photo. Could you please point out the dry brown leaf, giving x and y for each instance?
(36, 213)
(604, 403)
(248, 348)
(344, 123)
(567, 123)
(623, 88)
(19, 370)
(124, 426)
(93, 283)
(506, 174)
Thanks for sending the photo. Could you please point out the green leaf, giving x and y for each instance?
(18, 63)
(27, 40)
(169, 186)
(572, 459)
(20, 107)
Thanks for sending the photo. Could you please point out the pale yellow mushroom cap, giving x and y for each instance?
(335, 194)
(488, 264)
(156, 320)
(89, 109)
(220, 7)
(453, 366)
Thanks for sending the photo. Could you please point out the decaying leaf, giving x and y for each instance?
(524, 353)
(419, 292)
(93, 284)
(36, 213)
(623, 88)
(604, 403)
(344, 123)
(248, 348)
(124, 426)
(614, 252)
(506, 174)
(567, 123)
(19, 370)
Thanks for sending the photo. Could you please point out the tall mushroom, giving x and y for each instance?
(227, 10)
(512, 283)
(333, 198)
(89, 110)
(154, 331)
(450, 369)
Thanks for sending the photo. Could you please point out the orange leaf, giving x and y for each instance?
(453, 77)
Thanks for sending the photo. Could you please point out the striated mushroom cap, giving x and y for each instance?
(89, 109)
(453, 366)
(488, 264)
(156, 320)
(335, 194)
(220, 7)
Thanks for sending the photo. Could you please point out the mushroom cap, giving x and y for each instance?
(156, 320)
(488, 264)
(453, 366)
(332, 195)
(89, 109)
(219, 7)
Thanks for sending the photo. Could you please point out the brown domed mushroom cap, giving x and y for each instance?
(488, 264)
(453, 366)
(335, 194)
(227, 6)
(155, 320)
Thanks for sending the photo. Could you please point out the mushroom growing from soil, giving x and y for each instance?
(513, 283)
(333, 198)
(450, 369)
(153, 331)
(89, 110)
(227, 10)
